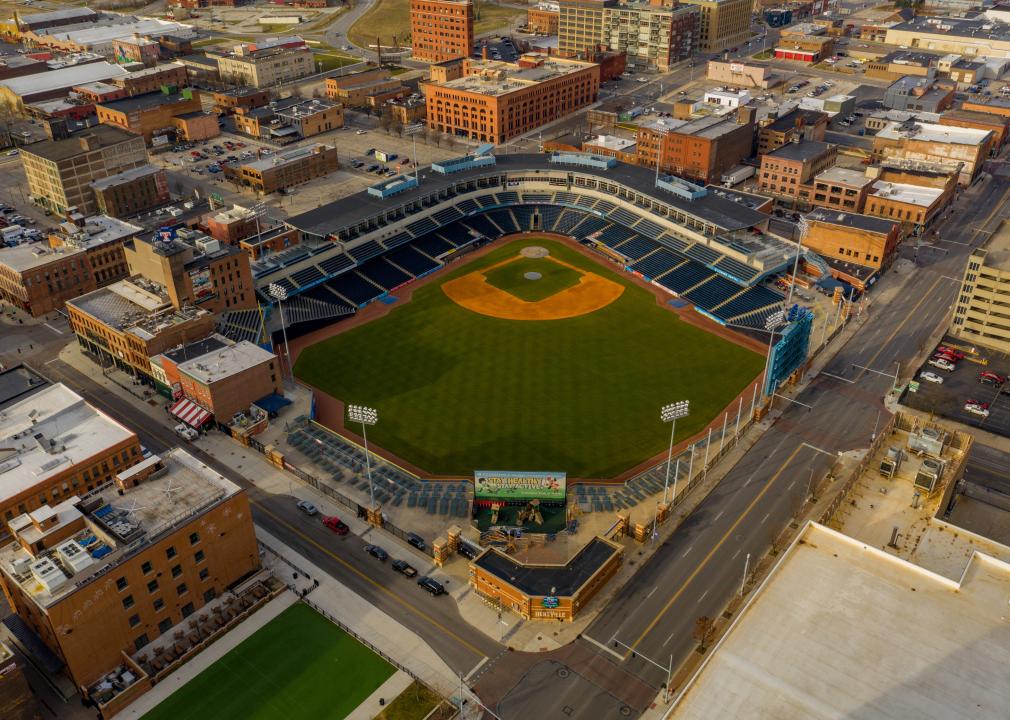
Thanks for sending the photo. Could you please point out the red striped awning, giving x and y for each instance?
(190, 413)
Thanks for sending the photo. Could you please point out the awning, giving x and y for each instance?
(190, 413)
(271, 404)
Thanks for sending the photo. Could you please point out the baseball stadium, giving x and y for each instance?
(528, 312)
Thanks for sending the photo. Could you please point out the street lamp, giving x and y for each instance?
(802, 227)
(670, 413)
(280, 293)
(366, 416)
(772, 323)
(413, 130)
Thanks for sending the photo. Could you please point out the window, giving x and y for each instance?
(176, 570)
(194, 538)
(152, 586)
(198, 556)
(170, 552)
(209, 595)
(187, 609)
(181, 589)
(141, 641)
(165, 625)
(128, 602)
(204, 574)
(146, 567)
(159, 604)
(134, 620)
(121, 583)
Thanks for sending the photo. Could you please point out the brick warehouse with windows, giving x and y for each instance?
(494, 101)
(286, 168)
(441, 29)
(98, 579)
(39, 279)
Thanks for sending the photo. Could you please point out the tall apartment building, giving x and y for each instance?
(651, 35)
(267, 63)
(55, 446)
(700, 149)
(39, 279)
(981, 315)
(441, 29)
(99, 577)
(724, 23)
(60, 172)
(495, 100)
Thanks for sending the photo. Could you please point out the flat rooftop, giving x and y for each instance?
(22, 258)
(135, 305)
(125, 176)
(905, 193)
(283, 157)
(116, 523)
(193, 350)
(844, 176)
(225, 362)
(496, 77)
(56, 150)
(147, 101)
(843, 629)
(794, 117)
(67, 77)
(537, 580)
(998, 248)
(49, 432)
(98, 230)
(930, 132)
(848, 219)
(17, 383)
(805, 150)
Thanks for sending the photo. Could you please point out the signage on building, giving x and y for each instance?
(549, 602)
(508, 485)
(737, 67)
(381, 156)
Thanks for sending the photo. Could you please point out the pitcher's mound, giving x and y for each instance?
(534, 251)
(532, 275)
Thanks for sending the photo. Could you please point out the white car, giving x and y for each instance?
(186, 432)
(942, 364)
(306, 507)
(976, 409)
(931, 377)
(361, 132)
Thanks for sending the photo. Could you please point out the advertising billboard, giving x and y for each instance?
(380, 156)
(507, 485)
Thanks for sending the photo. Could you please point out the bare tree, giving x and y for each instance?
(704, 631)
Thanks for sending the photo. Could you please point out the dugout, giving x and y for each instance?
(546, 591)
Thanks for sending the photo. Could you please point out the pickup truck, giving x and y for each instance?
(404, 568)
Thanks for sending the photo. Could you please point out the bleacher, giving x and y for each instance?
(713, 293)
(239, 325)
(673, 242)
(622, 216)
(648, 229)
(366, 251)
(636, 246)
(414, 262)
(591, 225)
(737, 269)
(585, 201)
(420, 227)
(353, 288)
(549, 217)
(397, 240)
(482, 225)
(565, 198)
(446, 215)
(507, 198)
(336, 263)
(382, 273)
(749, 301)
(504, 220)
(568, 220)
(685, 277)
(486, 200)
(307, 276)
(657, 263)
(703, 254)
(537, 198)
(524, 216)
(615, 235)
(467, 206)
(605, 206)
(432, 245)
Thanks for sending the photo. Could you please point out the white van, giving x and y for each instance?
(12, 233)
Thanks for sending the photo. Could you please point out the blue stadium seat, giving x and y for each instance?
(382, 273)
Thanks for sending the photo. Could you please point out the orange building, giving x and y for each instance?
(149, 113)
(998, 124)
(495, 101)
(991, 105)
(852, 238)
(228, 380)
(441, 29)
(790, 169)
(543, 18)
(39, 279)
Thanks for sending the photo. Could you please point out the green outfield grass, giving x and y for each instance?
(458, 391)
(511, 278)
(300, 666)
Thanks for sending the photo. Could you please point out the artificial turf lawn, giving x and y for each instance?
(510, 277)
(458, 391)
(299, 666)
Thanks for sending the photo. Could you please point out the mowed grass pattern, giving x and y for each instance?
(299, 666)
(511, 277)
(458, 391)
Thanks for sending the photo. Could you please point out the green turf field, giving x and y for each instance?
(300, 666)
(458, 391)
(511, 278)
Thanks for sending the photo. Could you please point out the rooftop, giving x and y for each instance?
(707, 126)
(157, 69)
(806, 150)
(80, 13)
(544, 580)
(844, 176)
(197, 349)
(114, 524)
(978, 27)
(136, 305)
(843, 629)
(93, 35)
(28, 256)
(100, 136)
(861, 222)
(195, 59)
(998, 248)
(283, 157)
(148, 101)
(18, 382)
(905, 193)
(790, 119)
(49, 432)
(496, 77)
(67, 77)
(98, 87)
(125, 176)
(612, 142)
(97, 230)
(225, 362)
(306, 108)
(906, 57)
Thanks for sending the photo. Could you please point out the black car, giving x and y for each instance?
(416, 540)
(467, 551)
(391, 158)
(431, 585)
(371, 168)
(404, 568)
(370, 151)
(377, 552)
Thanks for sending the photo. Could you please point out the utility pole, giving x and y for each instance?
(746, 569)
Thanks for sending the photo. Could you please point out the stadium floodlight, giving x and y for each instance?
(280, 293)
(670, 413)
(366, 416)
(772, 323)
(412, 131)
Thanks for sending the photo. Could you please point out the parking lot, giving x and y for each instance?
(948, 399)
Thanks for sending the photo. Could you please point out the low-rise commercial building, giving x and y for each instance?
(999, 125)
(55, 423)
(132, 191)
(361, 89)
(153, 79)
(789, 170)
(228, 380)
(408, 110)
(196, 126)
(742, 74)
(992, 105)
(99, 578)
(805, 48)
(919, 94)
(840, 188)
(101, 238)
(39, 279)
(18, 91)
(495, 101)
(701, 149)
(796, 125)
(901, 63)
(227, 101)
(290, 120)
(935, 143)
(441, 29)
(543, 18)
(150, 113)
(980, 313)
(136, 49)
(266, 64)
(201, 70)
(847, 237)
(911, 192)
(285, 168)
(969, 36)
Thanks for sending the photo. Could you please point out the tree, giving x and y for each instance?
(704, 631)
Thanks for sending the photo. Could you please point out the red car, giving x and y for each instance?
(946, 356)
(334, 524)
(988, 377)
(950, 351)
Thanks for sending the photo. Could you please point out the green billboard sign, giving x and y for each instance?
(508, 485)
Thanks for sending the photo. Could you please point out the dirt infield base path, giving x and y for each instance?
(473, 292)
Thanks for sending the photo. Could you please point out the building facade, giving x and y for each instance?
(262, 68)
(286, 168)
(355, 90)
(543, 18)
(933, 143)
(149, 113)
(39, 279)
(852, 238)
(789, 170)
(228, 380)
(724, 24)
(701, 149)
(132, 191)
(441, 29)
(102, 239)
(980, 313)
(796, 125)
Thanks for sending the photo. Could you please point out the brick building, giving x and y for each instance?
(290, 119)
(39, 279)
(102, 239)
(152, 79)
(992, 105)
(797, 124)
(930, 142)
(195, 126)
(150, 113)
(910, 192)
(543, 18)
(95, 92)
(285, 168)
(701, 149)
(136, 49)
(790, 169)
(839, 188)
(131, 191)
(999, 125)
(227, 101)
(495, 101)
(267, 63)
(408, 110)
(230, 379)
(362, 89)
(441, 29)
(723, 24)
(848, 237)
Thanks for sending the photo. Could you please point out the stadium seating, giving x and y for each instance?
(548, 217)
(446, 215)
(353, 288)
(421, 226)
(591, 225)
(504, 220)
(750, 300)
(564, 198)
(636, 246)
(507, 198)
(482, 225)
(366, 251)
(604, 206)
(585, 201)
(715, 291)
(432, 245)
(306, 276)
(486, 200)
(649, 229)
(703, 254)
(384, 274)
(735, 268)
(524, 217)
(414, 262)
(537, 198)
(685, 277)
(622, 216)
(657, 263)
(615, 235)
(467, 206)
(397, 240)
(334, 264)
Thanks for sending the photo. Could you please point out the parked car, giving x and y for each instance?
(306, 507)
(930, 377)
(377, 552)
(404, 568)
(977, 408)
(370, 151)
(391, 158)
(942, 364)
(947, 350)
(431, 585)
(467, 551)
(334, 523)
(416, 541)
(371, 168)
(361, 132)
(988, 377)
(186, 432)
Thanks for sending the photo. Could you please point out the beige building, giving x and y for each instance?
(724, 23)
(259, 66)
(59, 172)
(742, 74)
(982, 312)
(933, 143)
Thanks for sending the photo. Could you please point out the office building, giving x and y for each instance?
(102, 239)
(227, 380)
(848, 237)
(228, 101)
(149, 113)
(441, 29)
(919, 94)
(789, 170)
(39, 279)
(967, 147)
(289, 120)
(285, 168)
(543, 18)
(724, 24)
(370, 88)
(60, 172)
(495, 101)
(839, 188)
(132, 191)
(980, 312)
(266, 64)
(794, 126)
(99, 577)
(700, 149)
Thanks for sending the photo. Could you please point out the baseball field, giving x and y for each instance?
(529, 360)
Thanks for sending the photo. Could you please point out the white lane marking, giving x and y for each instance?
(476, 667)
(765, 518)
(668, 639)
(702, 597)
(790, 486)
(651, 592)
(603, 647)
(716, 518)
(55, 330)
(687, 551)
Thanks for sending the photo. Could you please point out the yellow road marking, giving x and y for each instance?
(713, 551)
(414, 609)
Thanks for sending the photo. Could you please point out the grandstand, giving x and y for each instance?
(710, 250)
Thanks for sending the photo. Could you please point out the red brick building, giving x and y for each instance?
(441, 29)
